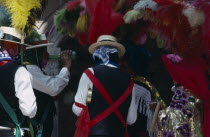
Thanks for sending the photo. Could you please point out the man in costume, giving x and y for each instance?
(136, 62)
(46, 87)
(104, 94)
(183, 117)
(16, 94)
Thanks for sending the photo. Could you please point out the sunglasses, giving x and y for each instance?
(13, 49)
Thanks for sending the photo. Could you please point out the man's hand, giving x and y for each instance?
(66, 58)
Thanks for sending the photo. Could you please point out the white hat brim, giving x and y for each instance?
(39, 46)
(15, 42)
(120, 47)
(29, 46)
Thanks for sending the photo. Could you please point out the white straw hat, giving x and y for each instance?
(43, 43)
(104, 40)
(16, 37)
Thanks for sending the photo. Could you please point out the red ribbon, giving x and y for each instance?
(3, 62)
(84, 123)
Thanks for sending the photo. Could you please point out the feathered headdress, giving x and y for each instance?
(65, 21)
(73, 19)
(24, 13)
(177, 23)
(94, 15)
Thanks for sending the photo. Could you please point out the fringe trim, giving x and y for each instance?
(144, 99)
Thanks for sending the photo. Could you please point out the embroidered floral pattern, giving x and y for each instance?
(188, 112)
(168, 134)
(179, 100)
(163, 120)
(184, 130)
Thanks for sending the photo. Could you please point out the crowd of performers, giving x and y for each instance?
(114, 96)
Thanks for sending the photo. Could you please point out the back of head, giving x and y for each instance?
(138, 59)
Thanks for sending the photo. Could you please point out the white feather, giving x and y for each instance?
(131, 16)
(195, 17)
(146, 4)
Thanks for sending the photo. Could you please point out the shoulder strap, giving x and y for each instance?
(11, 114)
(113, 105)
(43, 118)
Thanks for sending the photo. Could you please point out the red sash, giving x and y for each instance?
(84, 123)
(3, 62)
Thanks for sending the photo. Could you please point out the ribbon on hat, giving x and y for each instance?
(5, 56)
(102, 53)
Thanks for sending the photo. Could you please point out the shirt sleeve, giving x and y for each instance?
(82, 91)
(132, 111)
(25, 93)
(51, 85)
(141, 98)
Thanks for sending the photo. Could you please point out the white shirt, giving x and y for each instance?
(24, 92)
(51, 85)
(81, 96)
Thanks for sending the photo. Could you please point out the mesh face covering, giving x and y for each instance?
(34, 56)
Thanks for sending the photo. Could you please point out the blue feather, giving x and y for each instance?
(5, 19)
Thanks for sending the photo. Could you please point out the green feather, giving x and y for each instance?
(66, 21)
(34, 36)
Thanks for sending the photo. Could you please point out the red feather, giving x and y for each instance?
(91, 5)
(176, 31)
(131, 2)
(205, 7)
(72, 4)
(82, 37)
(103, 20)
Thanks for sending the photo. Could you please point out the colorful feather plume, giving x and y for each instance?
(177, 23)
(22, 16)
(65, 21)
(176, 28)
(103, 21)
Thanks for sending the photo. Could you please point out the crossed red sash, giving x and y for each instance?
(84, 123)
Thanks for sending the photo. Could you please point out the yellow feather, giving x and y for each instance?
(20, 11)
(2, 1)
(83, 23)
